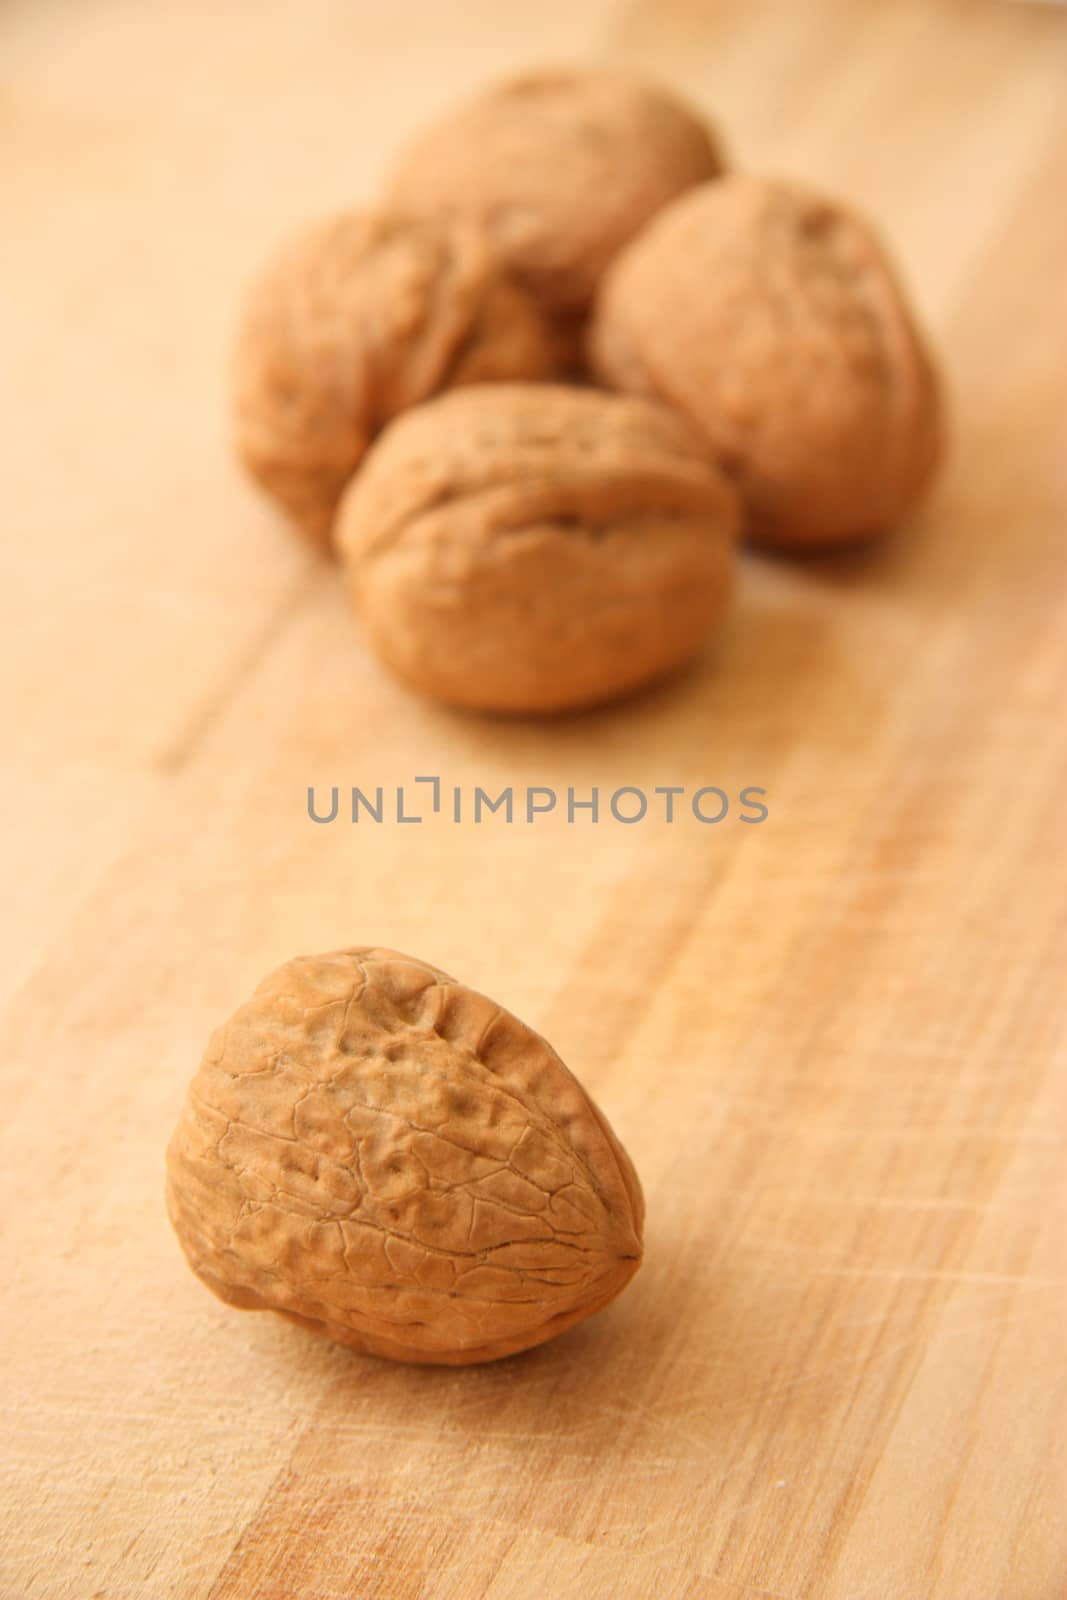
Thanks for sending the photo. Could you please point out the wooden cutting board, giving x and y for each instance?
(833, 1043)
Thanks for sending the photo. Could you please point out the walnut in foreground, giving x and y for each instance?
(387, 1157)
(352, 321)
(562, 167)
(770, 318)
(535, 547)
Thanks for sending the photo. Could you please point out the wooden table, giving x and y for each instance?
(833, 1043)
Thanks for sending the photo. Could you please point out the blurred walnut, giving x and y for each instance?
(352, 321)
(526, 547)
(562, 168)
(389, 1158)
(770, 318)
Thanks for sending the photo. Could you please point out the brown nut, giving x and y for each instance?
(387, 1157)
(534, 547)
(562, 167)
(355, 319)
(770, 318)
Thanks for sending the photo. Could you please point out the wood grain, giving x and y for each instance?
(834, 1044)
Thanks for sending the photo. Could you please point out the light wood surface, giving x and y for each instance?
(834, 1044)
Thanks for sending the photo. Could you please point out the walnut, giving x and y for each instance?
(353, 320)
(533, 548)
(562, 167)
(770, 318)
(387, 1157)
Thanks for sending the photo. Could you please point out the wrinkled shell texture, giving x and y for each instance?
(391, 1159)
(562, 168)
(770, 318)
(534, 548)
(352, 321)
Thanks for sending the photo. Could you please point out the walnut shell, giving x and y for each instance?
(534, 547)
(387, 1157)
(771, 319)
(353, 320)
(562, 167)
